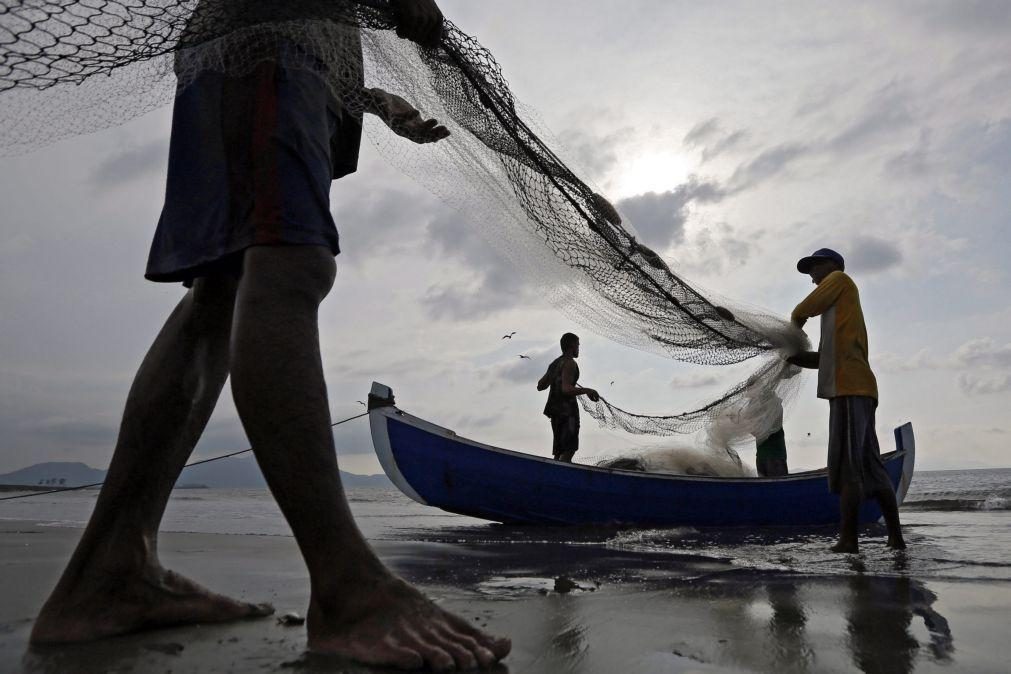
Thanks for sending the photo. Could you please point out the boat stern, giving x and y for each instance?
(904, 441)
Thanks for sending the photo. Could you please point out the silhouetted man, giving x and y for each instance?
(845, 379)
(247, 224)
(562, 407)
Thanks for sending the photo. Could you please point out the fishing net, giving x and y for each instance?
(749, 411)
(71, 67)
(679, 460)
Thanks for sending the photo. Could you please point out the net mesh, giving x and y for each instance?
(71, 67)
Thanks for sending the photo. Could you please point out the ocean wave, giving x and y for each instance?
(991, 502)
(995, 502)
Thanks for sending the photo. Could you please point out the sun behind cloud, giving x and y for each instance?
(649, 170)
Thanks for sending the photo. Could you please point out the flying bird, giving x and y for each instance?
(509, 336)
(612, 383)
(361, 403)
(522, 356)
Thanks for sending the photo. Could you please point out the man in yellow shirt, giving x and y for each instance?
(845, 379)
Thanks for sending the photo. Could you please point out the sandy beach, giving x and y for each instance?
(628, 611)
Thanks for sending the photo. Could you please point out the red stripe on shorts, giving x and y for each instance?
(266, 180)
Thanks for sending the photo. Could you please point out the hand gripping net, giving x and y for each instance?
(71, 67)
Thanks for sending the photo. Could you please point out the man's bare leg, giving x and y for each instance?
(358, 609)
(890, 511)
(849, 515)
(114, 583)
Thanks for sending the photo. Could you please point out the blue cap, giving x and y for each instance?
(804, 265)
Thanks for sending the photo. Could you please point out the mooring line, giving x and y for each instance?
(188, 465)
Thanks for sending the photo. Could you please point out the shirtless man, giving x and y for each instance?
(562, 408)
(257, 280)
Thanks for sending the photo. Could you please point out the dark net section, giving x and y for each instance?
(69, 67)
(44, 43)
(48, 44)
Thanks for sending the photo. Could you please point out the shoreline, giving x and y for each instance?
(620, 610)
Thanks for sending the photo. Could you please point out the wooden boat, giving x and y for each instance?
(436, 467)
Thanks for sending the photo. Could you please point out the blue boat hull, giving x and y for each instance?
(435, 467)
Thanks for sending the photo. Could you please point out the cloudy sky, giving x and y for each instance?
(734, 137)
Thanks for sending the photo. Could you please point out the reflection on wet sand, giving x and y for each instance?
(787, 639)
(879, 617)
(583, 606)
(710, 610)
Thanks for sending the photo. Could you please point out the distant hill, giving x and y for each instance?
(234, 473)
(73, 474)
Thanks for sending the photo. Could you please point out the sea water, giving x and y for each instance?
(957, 525)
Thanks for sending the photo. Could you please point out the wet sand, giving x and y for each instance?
(612, 610)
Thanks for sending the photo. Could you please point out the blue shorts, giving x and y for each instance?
(249, 164)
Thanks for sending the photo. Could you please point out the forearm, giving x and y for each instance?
(805, 359)
(372, 101)
(574, 391)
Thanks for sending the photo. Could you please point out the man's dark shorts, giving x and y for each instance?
(566, 437)
(854, 457)
(770, 466)
(771, 455)
(249, 164)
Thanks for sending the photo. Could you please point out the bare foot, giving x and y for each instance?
(845, 547)
(896, 542)
(156, 598)
(394, 625)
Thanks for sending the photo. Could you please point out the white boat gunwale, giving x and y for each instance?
(384, 451)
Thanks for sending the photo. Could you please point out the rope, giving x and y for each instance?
(188, 465)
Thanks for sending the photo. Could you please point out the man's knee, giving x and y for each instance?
(288, 272)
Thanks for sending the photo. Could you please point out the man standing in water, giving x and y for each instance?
(247, 225)
(562, 408)
(855, 470)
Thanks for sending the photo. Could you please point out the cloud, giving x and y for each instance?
(978, 18)
(973, 385)
(597, 155)
(886, 112)
(990, 146)
(728, 142)
(713, 250)
(767, 164)
(485, 283)
(983, 352)
(822, 95)
(914, 162)
(702, 132)
(921, 360)
(710, 137)
(659, 217)
(495, 291)
(381, 220)
(131, 164)
(869, 254)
